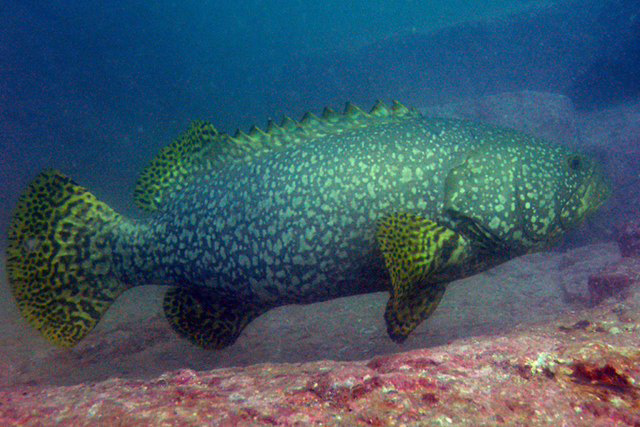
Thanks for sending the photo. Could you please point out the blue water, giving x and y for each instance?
(95, 88)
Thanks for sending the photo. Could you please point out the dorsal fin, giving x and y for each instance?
(185, 154)
(202, 147)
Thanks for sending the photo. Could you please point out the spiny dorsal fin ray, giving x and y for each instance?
(202, 147)
(329, 115)
(380, 110)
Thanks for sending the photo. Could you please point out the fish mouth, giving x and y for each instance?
(586, 200)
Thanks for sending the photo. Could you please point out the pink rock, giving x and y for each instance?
(629, 239)
(615, 280)
(580, 370)
(603, 286)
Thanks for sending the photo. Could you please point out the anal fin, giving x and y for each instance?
(206, 319)
(417, 253)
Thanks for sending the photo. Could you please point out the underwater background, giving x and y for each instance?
(95, 89)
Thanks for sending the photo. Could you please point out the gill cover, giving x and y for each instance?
(519, 194)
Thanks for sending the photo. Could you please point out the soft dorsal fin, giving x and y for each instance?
(202, 147)
(184, 155)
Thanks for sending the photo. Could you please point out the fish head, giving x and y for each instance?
(521, 195)
(586, 189)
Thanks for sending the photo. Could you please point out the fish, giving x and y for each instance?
(304, 211)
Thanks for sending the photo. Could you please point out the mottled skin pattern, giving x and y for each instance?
(303, 222)
(298, 225)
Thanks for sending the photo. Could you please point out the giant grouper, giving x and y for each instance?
(306, 211)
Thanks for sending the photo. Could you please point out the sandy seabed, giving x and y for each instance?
(134, 340)
(522, 344)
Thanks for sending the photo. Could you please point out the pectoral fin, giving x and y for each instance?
(415, 250)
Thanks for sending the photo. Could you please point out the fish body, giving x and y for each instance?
(296, 224)
(306, 211)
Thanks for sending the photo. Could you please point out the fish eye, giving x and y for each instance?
(575, 163)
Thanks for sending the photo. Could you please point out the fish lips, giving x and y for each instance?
(586, 200)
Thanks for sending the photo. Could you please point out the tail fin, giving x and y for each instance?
(59, 258)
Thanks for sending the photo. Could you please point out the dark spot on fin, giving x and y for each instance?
(207, 320)
(414, 249)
